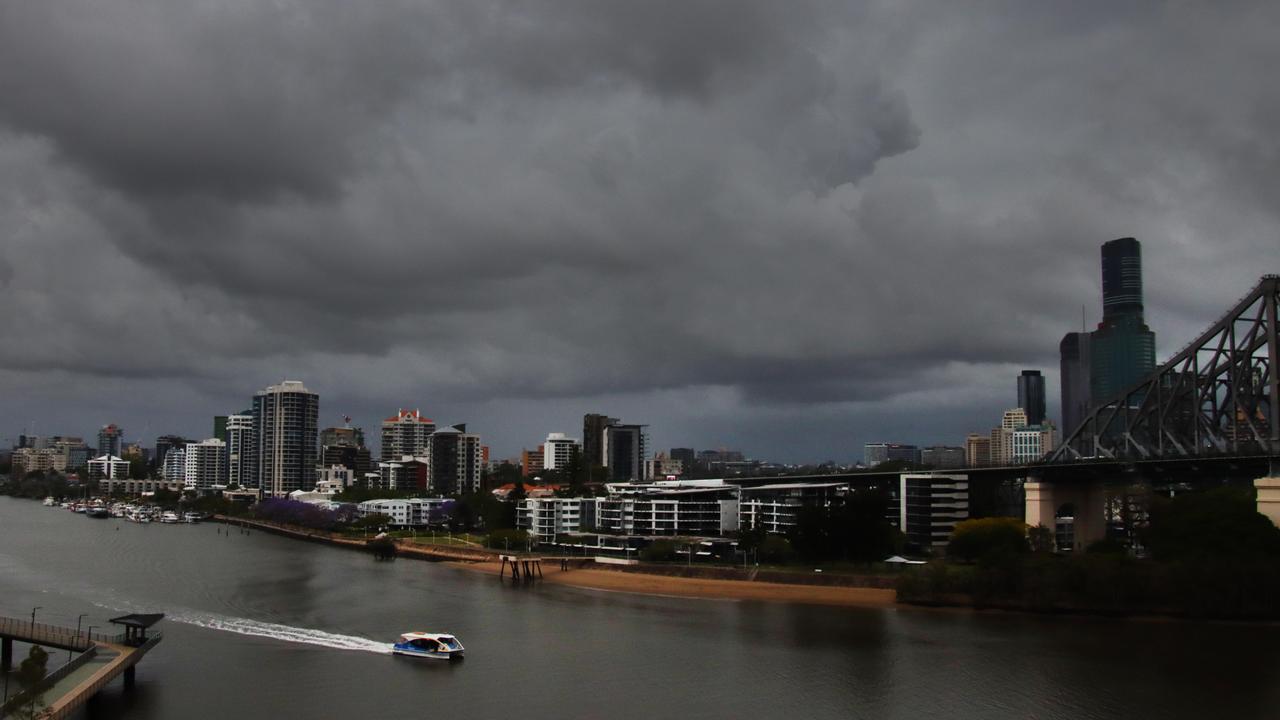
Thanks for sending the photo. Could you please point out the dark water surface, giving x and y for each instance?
(265, 627)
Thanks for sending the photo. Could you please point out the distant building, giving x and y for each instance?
(687, 457)
(284, 438)
(624, 452)
(1002, 437)
(878, 453)
(28, 460)
(930, 507)
(546, 517)
(660, 467)
(455, 459)
(407, 512)
(977, 450)
(174, 469)
(70, 454)
(593, 427)
(558, 450)
(1031, 395)
(776, 508)
(531, 462)
(335, 478)
(240, 470)
(205, 464)
(342, 437)
(164, 444)
(943, 457)
(1031, 443)
(405, 433)
(220, 427)
(111, 440)
(108, 467)
(1075, 368)
(411, 472)
(345, 446)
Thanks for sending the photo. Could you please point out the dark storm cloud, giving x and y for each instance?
(784, 213)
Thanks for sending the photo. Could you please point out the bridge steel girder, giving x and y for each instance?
(1219, 395)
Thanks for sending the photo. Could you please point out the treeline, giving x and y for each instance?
(1211, 555)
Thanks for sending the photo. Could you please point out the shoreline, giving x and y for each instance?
(635, 582)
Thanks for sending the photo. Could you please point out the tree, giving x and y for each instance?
(138, 468)
(987, 537)
(1220, 522)
(31, 675)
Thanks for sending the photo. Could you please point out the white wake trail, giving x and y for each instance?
(307, 636)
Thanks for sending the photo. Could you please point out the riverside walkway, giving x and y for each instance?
(99, 660)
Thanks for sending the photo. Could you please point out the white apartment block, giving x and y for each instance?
(175, 465)
(108, 467)
(545, 518)
(240, 451)
(204, 463)
(406, 512)
(558, 449)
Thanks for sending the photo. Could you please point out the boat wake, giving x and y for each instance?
(306, 636)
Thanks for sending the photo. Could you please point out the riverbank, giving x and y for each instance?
(637, 579)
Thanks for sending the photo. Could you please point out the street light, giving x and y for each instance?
(81, 617)
(33, 618)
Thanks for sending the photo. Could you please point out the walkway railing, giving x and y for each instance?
(54, 635)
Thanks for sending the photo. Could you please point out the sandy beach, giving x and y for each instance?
(662, 585)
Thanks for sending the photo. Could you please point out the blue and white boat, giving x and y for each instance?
(438, 646)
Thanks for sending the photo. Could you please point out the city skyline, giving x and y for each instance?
(784, 234)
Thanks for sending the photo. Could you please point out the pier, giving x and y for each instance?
(98, 658)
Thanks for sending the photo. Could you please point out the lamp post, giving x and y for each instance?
(33, 618)
(81, 617)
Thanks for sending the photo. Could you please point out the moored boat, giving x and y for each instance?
(437, 646)
(168, 516)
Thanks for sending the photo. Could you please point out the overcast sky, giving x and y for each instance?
(784, 227)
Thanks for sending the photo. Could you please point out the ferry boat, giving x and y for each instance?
(438, 646)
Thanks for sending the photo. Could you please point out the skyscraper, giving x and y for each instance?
(284, 433)
(455, 459)
(1122, 351)
(623, 447)
(593, 427)
(558, 450)
(111, 440)
(1031, 395)
(1074, 353)
(240, 455)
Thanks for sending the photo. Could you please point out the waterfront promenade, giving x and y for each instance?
(98, 659)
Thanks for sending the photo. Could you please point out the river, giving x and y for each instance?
(260, 626)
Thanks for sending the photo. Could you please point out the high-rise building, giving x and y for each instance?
(284, 438)
(1002, 437)
(342, 437)
(205, 463)
(405, 433)
(624, 451)
(174, 469)
(220, 427)
(977, 450)
(1031, 395)
(111, 440)
(455, 459)
(1122, 351)
(532, 462)
(558, 450)
(240, 455)
(108, 467)
(1030, 443)
(1075, 362)
(593, 427)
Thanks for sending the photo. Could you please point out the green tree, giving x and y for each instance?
(1040, 539)
(660, 551)
(138, 469)
(987, 538)
(1216, 523)
(777, 550)
(31, 675)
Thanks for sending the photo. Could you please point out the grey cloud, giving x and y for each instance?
(793, 213)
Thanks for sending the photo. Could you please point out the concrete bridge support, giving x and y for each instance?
(6, 654)
(1269, 497)
(1084, 502)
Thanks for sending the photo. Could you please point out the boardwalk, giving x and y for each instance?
(100, 659)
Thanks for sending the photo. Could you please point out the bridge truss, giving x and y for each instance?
(1220, 395)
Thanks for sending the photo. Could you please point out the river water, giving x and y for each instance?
(260, 626)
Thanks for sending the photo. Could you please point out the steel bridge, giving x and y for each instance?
(1219, 395)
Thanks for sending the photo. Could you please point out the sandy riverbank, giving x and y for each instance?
(663, 585)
